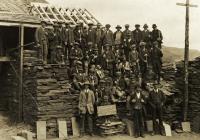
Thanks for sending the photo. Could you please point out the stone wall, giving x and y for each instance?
(47, 94)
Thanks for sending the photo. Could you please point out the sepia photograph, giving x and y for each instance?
(99, 70)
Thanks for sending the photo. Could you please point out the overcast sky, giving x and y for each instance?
(169, 17)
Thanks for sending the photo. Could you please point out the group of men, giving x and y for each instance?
(107, 67)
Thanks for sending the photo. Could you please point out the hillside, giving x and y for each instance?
(172, 54)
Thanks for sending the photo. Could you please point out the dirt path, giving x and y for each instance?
(8, 129)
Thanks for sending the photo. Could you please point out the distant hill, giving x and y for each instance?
(172, 54)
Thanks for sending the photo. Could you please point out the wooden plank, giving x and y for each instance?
(183, 4)
(75, 127)
(106, 110)
(41, 130)
(149, 126)
(62, 128)
(20, 95)
(4, 59)
(167, 128)
(186, 126)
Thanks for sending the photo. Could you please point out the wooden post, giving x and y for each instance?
(186, 57)
(20, 96)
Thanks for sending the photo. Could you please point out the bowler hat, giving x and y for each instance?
(108, 25)
(154, 25)
(145, 26)
(126, 25)
(118, 26)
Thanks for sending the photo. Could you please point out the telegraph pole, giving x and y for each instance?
(186, 56)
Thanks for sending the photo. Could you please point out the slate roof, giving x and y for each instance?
(16, 11)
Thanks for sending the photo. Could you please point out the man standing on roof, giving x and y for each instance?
(42, 41)
(146, 36)
(156, 35)
(91, 35)
(127, 40)
(118, 37)
(68, 38)
(137, 35)
(108, 37)
(99, 35)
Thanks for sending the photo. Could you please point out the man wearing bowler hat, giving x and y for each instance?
(156, 35)
(146, 36)
(86, 108)
(137, 35)
(42, 41)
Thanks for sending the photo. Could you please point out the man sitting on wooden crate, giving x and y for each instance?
(86, 108)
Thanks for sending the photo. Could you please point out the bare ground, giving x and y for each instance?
(8, 129)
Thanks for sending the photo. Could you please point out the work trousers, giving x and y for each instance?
(157, 112)
(138, 122)
(43, 51)
(157, 69)
(89, 118)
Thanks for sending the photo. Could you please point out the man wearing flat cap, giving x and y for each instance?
(137, 35)
(127, 40)
(118, 36)
(99, 35)
(156, 35)
(42, 41)
(108, 36)
(157, 100)
(68, 35)
(86, 108)
(146, 36)
(91, 35)
(135, 104)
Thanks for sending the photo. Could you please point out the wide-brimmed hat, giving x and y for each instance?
(98, 24)
(145, 26)
(118, 27)
(154, 25)
(42, 21)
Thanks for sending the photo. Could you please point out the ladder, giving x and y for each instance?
(51, 14)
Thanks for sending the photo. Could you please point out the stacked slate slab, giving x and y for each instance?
(194, 90)
(47, 94)
(173, 105)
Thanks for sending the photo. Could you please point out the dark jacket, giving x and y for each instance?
(108, 38)
(156, 35)
(68, 35)
(137, 36)
(146, 36)
(91, 36)
(156, 98)
(156, 55)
